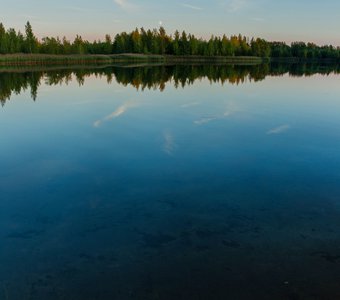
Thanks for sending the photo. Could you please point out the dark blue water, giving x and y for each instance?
(205, 192)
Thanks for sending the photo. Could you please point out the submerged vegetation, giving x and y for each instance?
(17, 80)
(150, 42)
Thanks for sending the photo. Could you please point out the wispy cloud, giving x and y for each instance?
(118, 112)
(169, 145)
(187, 105)
(205, 120)
(278, 130)
(192, 6)
(231, 109)
(236, 5)
(125, 5)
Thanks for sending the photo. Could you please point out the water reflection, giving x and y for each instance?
(279, 129)
(209, 192)
(115, 114)
(153, 77)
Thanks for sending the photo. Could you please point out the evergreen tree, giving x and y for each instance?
(163, 40)
(107, 47)
(184, 45)
(78, 46)
(159, 42)
(3, 40)
(176, 43)
(31, 42)
(137, 46)
(13, 45)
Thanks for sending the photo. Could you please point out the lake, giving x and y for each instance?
(170, 182)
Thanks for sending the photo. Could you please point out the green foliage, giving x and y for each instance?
(260, 47)
(78, 46)
(158, 42)
(31, 42)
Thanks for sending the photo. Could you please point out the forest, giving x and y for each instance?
(157, 41)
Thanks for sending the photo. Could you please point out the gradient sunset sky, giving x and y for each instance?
(289, 20)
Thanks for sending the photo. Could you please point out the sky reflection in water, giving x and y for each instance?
(206, 192)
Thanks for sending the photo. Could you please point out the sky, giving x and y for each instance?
(290, 20)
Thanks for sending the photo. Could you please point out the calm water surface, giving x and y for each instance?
(211, 191)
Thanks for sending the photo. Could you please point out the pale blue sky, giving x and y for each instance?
(288, 20)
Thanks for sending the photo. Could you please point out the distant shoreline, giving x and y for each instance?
(70, 60)
(76, 59)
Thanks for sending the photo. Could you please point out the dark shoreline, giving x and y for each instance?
(46, 59)
(38, 60)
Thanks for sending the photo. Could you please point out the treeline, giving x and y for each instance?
(141, 41)
(155, 77)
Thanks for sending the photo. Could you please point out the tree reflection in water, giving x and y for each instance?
(15, 81)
